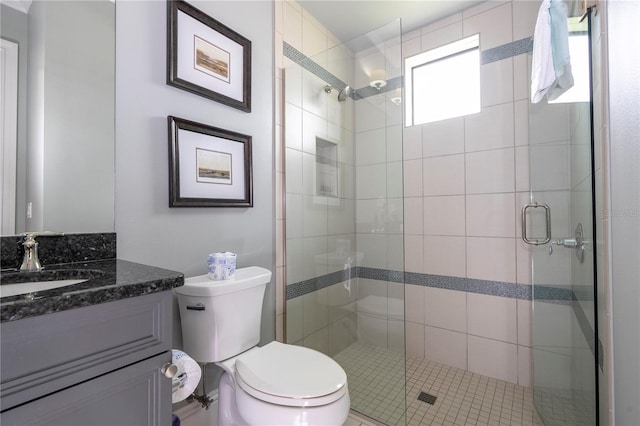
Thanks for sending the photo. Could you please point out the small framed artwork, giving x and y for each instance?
(206, 57)
(208, 166)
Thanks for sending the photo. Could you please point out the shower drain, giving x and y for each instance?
(425, 397)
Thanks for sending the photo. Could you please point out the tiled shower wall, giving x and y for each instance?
(465, 180)
(378, 188)
(317, 227)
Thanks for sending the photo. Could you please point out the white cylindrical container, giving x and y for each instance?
(186, 378)
(222, 266)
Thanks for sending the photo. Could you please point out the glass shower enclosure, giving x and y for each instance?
(344, 211)
(560, 231)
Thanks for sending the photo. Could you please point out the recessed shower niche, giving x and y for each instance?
(327, 172)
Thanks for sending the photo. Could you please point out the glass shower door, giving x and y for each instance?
(344, 211)
(558, 226)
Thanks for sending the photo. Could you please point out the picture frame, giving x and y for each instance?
(208, 166)
(207, 58)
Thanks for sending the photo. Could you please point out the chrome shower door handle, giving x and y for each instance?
(536, 242)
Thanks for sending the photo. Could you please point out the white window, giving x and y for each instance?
(443, 82)
(580, 70)
(579, 54)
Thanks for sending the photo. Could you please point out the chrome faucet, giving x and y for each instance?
(30, 261)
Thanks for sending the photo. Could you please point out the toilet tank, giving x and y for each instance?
(221, 319)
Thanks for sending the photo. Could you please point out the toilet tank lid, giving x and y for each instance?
(244, 278)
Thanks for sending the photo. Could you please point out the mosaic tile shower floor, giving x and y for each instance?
(376, 385)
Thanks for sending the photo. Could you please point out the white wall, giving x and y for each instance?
(379, 187)
(623, 212)
(180, 238)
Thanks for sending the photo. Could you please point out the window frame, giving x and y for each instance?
(437, 54)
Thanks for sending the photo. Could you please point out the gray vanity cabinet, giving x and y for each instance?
(133, 395)
(97, 365)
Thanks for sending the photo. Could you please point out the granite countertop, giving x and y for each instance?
(107, 281)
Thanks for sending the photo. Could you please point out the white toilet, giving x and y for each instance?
(276, 384)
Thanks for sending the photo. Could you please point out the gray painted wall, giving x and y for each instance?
(180, 238)
(78, 103)
(70, 155)
(65, 146)
(14, 26)
(35, 116)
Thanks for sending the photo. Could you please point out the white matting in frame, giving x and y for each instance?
(194, 183)
(208, 166)
(206, 57)
(189, 31)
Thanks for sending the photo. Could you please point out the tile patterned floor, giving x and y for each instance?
(376, 383)
(565, 408)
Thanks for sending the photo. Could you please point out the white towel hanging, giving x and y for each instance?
(551, 66)
(542, 72)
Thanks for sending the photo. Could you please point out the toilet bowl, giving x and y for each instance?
(280, 384)
(276, 384)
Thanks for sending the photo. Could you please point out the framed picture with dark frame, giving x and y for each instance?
(208, 166)
(206, 57)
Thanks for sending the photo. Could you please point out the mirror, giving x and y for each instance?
(58, 116)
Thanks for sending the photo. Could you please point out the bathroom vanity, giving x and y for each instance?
(91, 353)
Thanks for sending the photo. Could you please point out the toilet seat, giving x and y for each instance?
(290, 375)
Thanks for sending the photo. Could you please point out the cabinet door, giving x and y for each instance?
(135, 395)
(47, 353)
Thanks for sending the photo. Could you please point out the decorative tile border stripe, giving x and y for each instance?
(381, 274)
(600, 355)
(563, 295)
(392, 84)
(308, 64)
(488, 56)
(583, 293)
(553, 294)
(507, 50)
(587, 332)
(314, 284)
(471, 285)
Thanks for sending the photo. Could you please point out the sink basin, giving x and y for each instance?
(16, 289)
(17, 283)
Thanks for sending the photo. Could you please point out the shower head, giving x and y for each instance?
(345, 93)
